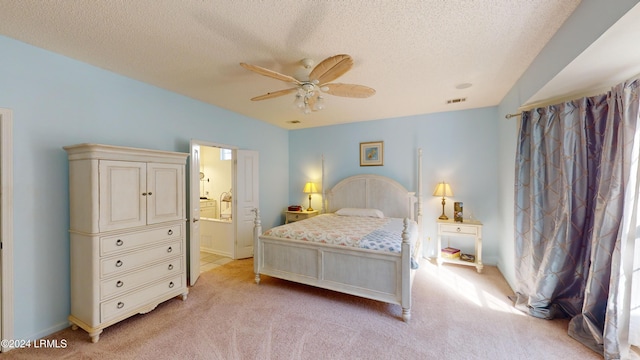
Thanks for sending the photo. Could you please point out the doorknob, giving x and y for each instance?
(194, 219)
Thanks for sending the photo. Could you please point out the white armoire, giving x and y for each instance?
(127, 230)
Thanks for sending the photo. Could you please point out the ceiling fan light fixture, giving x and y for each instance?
(308, 87)
(319, 105)
(299, 102)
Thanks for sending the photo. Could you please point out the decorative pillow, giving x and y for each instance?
(360, 212)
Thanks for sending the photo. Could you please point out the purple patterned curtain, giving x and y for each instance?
(576, 199)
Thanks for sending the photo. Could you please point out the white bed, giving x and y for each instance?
(373, 274)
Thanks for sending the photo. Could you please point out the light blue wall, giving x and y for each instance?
(459, 147)
(590, 19)
(57, 101)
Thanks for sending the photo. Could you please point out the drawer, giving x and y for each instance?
(129, 261)
(459, 229)
(208, 203)
(130, 281)
(123, 305)
(296, 217)
(116, 243)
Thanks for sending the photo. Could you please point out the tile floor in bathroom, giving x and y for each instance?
(210, 261)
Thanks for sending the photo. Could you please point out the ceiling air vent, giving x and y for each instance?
(455, 101)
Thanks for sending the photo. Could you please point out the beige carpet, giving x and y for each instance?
(457, 314)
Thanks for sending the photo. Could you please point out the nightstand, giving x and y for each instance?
(291, 216)
(469, 229)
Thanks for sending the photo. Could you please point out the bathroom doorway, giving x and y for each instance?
(216, 207)
(223, 193)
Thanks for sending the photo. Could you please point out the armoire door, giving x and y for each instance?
(122, 203)
(165, 192)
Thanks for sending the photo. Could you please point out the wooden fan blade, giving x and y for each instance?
(270, 73)
(331, 68)
(348, 90)
(274, 94)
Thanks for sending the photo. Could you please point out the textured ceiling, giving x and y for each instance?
(414, 53)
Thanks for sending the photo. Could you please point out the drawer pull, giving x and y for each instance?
(119, 263)
(170, 232)
(458, 229)
(120, 304)
(171, 285)
(119, 242)
(119, 283)
(170, 266)
(169, 249)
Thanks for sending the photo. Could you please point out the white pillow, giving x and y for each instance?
(360, 212)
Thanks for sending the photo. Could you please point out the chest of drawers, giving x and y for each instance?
(128, 249)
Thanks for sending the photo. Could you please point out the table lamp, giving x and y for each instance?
(442, 189)
(310, 188)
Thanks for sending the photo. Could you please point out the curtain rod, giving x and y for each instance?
(509, 116)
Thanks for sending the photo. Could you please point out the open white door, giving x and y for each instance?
(194, 214)
(246, 198)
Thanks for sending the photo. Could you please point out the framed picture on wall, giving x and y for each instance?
(371, 153)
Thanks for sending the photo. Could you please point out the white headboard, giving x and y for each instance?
(373, 192)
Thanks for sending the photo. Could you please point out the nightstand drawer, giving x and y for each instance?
(291, 216)
(458, 229)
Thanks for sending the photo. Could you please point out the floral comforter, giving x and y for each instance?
(384, 234)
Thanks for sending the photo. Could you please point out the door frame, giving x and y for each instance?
(194, 173)
(6, 225)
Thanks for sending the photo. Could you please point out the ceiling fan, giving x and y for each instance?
(308, 89)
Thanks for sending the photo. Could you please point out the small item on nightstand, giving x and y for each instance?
(468, 257)
(295, 208)
(457, 211)
(450, 253)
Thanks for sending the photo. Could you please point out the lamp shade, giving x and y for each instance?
(310, 188)
(442, 189)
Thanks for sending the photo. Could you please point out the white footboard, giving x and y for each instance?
(376, 275)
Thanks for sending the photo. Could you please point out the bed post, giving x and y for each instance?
(406, 271)
(419, 216)
(257, 231)
(324, 196)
